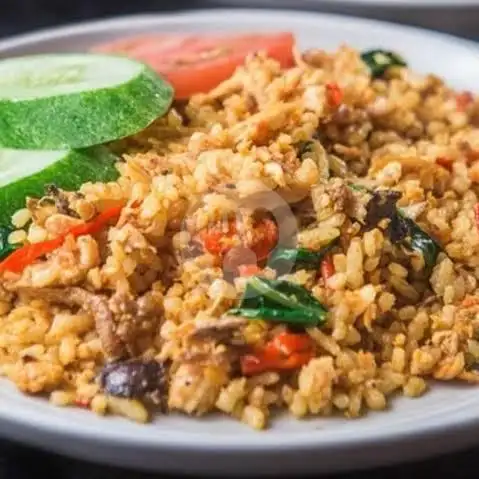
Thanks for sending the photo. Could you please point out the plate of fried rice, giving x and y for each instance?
(267, 261)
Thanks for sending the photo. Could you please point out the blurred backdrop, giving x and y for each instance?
(459, 17)
(22, 15)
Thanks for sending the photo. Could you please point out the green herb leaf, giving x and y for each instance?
(292, 259)
(280, 301)
(379, 61)
(300, 294)
(401, 229)
(269, 290)
(420, 241)
(5, 247)
(296, 316)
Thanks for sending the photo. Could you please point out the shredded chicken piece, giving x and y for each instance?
(118, 320)
(195, 388)
(134, 317)
(96, 304)
(221, 329)
(226, 358)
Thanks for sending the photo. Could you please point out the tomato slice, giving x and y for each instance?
(196, 64)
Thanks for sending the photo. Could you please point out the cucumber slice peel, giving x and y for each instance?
(24, 173)
(62, 101)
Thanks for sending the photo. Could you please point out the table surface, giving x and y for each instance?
(16, 461)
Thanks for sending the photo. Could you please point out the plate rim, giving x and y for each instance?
(257, 443)
(99, 24)
(439, 5)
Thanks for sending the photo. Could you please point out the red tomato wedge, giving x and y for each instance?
(196, 64)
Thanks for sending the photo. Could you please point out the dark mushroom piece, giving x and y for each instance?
(136, 379)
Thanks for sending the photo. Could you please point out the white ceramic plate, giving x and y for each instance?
(413, 3)
(390, 3)
(405, 3)
(445, 419)
(458, 17)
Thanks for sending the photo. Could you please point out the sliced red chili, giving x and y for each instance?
(27, 254)
(220, 238)
(327, 268)
(264, 238)
(97, 224)
(334, 95)
(285, 352)
(259, 363)
(289, 343)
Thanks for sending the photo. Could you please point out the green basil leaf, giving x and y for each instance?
(281, 301)
(268, 290)
(301, 295)
(379, 61)
(401, 229)
(304, 318)
(420, 241)
(292, 259)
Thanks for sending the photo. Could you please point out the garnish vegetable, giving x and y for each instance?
(379, 61)
(197, 64)
(25, 173)
(62, 101)
(27, 254)
(400, 229)
(281, 301)
(298, 258)
(285, 351)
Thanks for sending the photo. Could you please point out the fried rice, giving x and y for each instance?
(145, 291)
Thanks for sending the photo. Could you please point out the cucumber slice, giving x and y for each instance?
(65, 101)
(26, 172)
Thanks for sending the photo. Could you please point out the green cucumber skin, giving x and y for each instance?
(69, 173)
(56, 123)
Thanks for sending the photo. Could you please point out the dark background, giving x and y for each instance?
(21, 15)
(18, 462)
